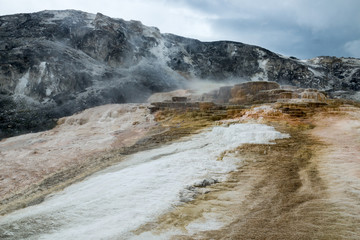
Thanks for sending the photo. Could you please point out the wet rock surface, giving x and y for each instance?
(56, 63)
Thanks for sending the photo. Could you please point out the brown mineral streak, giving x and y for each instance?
(304, 187)
(34, 165)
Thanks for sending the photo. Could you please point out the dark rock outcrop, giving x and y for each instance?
(55, 63)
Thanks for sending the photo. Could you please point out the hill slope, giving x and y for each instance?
(56, 63)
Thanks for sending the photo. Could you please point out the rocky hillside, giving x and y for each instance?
(55, 63)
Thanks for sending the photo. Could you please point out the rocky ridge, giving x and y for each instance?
(56, 63)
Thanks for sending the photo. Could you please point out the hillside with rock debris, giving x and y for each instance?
(56, 63)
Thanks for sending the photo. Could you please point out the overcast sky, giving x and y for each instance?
(300, 28)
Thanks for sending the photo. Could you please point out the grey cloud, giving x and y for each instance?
(353, 48)
(303, 28)
(287, 38)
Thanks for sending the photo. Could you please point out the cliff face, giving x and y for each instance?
(55, 63)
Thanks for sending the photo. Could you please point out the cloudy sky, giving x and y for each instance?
(300, 28)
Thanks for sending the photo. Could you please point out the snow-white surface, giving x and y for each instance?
(259, 77)
(188, 60)
(262, 75)
(260, 52)
(28, 158)
(48, 92)
(161, 52)
(262, 64)
(22, 84)
(353, 71)
(113, 203)
(42, 68)
(314, 60)
(316, 73)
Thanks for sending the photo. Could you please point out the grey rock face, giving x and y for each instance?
(55, 63)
